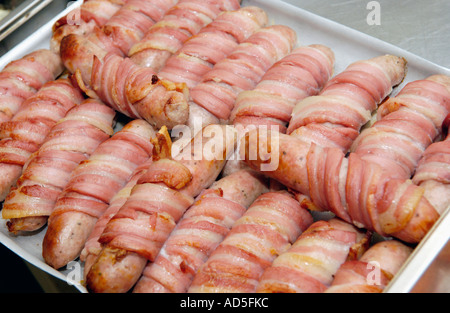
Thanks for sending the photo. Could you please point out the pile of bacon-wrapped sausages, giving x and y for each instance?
(143, 218)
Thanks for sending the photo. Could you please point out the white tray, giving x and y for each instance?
(348, 45)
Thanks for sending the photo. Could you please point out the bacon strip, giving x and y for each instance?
(202, 228)
(335, 116)
(310, 264)
(22, 78)
(72, 140)
(242, 69)
(127, 26)
(26, 131)
(266, 230)
(433, 174)
(300, 74)
(407, 124)
(181, 22)
(373, 271)
(138, 92)
(213, 43)
(92, 248)
(91, 187)
(83, 20)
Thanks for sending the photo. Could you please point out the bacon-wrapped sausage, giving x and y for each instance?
(133, 20)
(213, 43)
(242, 69)
(407, 124)
(335, 116)
(310, 264)
(137, 232)
(26, 131)
(22, 78)
(201, 229)
(123, 29)
(92, 248)
(357, 190)
(138, 92)
(83, 20)
(302, 73)
(90, 189)
(266, 230)
(72, 140)
(373, 271)
(433, 174)
(181, 22)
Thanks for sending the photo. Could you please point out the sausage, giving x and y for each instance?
(92, 248)
(266, 230)
(433, 173)
(242, 69)
(181, 22)
(213, 43)
(26, 131)
(300, 74)
(83, 20)
(138, 92)
(77, 52)
(22, 78)
(334, 117)
(137, 232)
(201, 229)
(373, 271)
(310, 264)
(72, 140)
(407, 124)
(90, 189)
(126, 26)
(130, 23)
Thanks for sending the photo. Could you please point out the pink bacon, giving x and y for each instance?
(393, 141)
(26, 131)
(83, 20)
(213, 43)
(138, 92)
(300, 74)
(22, 78)
(335, 116)
(201, 229)
(309, 265)
(267, 229)
(181, 22)
(373, 271)
(242, 69)
(90, 189)
(133, 20)
(72, 140)
(433, 174)
(117, 35)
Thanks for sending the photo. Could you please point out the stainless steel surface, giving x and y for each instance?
(421, 27)
(34, 14)
(20, 15)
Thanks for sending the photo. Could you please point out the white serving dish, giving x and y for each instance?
(348, 45)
